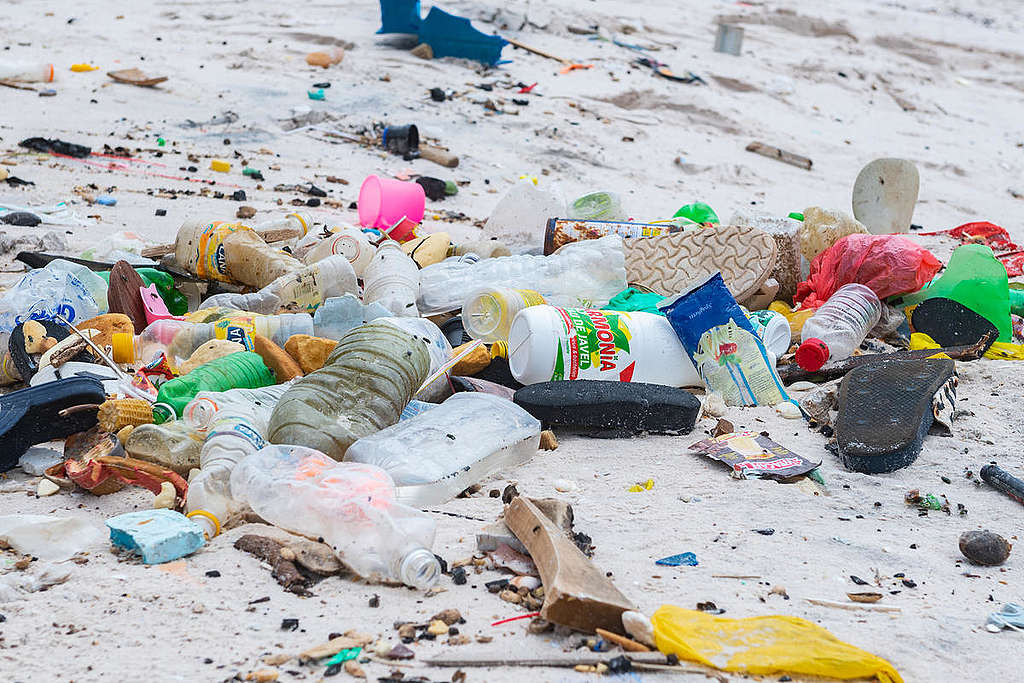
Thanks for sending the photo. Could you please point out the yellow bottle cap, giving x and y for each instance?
(499, 349)
(123, 346)
(209, 516)
(220, 165)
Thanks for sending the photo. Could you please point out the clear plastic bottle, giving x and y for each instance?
(234, 252)
(435, 455)
(26, 72)
(488, 312)
(258, 403)
(351, 243)
(392, 279)
(232, 435)
(340, 314)
(368, 378)
(177, 339)
(352, 506)
(520, 216)
(837, 328)
(305, 289)
(587, 273)
(439, 349)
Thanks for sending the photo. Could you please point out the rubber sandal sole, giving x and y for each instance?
(950, 323)
(610, 409)
(668, 263)
(885, 411)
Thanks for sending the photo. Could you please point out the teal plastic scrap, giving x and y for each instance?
(399, 16)
(343, 656)
(452, 36)
(158, 535)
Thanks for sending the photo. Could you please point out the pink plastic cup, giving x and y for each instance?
(383, 202)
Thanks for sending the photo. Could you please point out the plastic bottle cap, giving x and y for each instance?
(207, 520)
(123, 346)
(812, 354)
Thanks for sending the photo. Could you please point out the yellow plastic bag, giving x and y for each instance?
(764, 645)
(1005, 351)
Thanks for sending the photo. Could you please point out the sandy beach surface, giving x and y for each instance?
(936, 82)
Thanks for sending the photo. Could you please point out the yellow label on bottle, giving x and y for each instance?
(239, 329)
(530, 297)
(210, 263)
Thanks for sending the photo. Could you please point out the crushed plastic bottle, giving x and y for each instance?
(587, 273)
(244, 369)
(340, 314)
(392, 279)
(363, 386)
(437, 454)
(174, 445)
(838, 327)
(348, 242)
(258, 403)
(353, 507)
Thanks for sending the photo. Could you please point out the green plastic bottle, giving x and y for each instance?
(367, 380)
(177, 303)
(1016, 301)
(242, 370)
(698, 212)
(977, 280)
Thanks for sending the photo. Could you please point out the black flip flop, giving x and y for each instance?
(950, 323)
(611, 409)
(885, 411)
(30, 416)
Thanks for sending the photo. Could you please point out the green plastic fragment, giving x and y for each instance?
(344, 656)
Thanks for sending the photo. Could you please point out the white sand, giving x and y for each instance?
(832, 83)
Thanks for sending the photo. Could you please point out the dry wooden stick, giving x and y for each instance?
(536, 51)
(780, 155)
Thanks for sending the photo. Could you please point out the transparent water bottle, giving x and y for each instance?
(206, 405)
(435, 455)
(838, 327)
(587, 274)
(304, 290)
(392, 279)
(353, 507)
(488, 312)
(174, 445)
(340, 314)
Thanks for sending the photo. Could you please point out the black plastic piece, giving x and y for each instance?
(31, 416)
(885, 411)
(611, 409)
(950, 323)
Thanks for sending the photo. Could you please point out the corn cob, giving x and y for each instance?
(118, 413)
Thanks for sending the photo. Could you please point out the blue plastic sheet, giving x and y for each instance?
(452, 36)
(399, 16)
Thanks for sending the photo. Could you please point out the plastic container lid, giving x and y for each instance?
(123, 346)
(812, 354)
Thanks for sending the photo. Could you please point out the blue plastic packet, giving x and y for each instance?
(726, 351)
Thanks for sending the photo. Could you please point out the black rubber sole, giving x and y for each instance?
(950, 323)
(610, 409)
(885, 411)
(31, 416)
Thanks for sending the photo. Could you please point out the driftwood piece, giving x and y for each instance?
(441, 157)
(568, 659)
(576, 593)
(780, 155)
(284, 570)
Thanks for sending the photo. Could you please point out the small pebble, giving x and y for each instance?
(46, 488)
(984, 547)
(564, 485)
(801, 386)
(789, 410)
(714, 405)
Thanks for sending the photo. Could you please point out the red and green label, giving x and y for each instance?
(593, 345)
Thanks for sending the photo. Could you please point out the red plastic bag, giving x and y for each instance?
(888, 264)
(980, 232)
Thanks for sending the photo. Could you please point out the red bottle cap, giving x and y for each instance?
(812, 354)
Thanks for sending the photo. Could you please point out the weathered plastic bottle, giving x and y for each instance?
(26, 72)
(488, 312)
(304, 290)
(838, 327)
(351, 243)
(234, 252)
(258, 403)
(437, 454)
(352, 506)
(244, 369)
(174, 445)
(392, 279)
(364, 385)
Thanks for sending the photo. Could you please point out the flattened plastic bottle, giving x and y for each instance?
(367, 380)
(244, 370)
(351, 506)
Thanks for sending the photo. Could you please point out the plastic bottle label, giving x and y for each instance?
(530, 297)
(237, 329)
(303, 289)
(594, 344)
(210, 263)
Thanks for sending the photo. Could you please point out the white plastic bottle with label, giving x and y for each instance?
(392, 279)
(303, 290)
(206, 405)
(351, 243)
(772, 328)
(351, 506)
(439, 453)
(548, 343)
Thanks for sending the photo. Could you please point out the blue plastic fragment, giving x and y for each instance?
(680, 560)
(317, 94)
(399, 16)
(158, 535)
(452, 36)
(106, 200)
